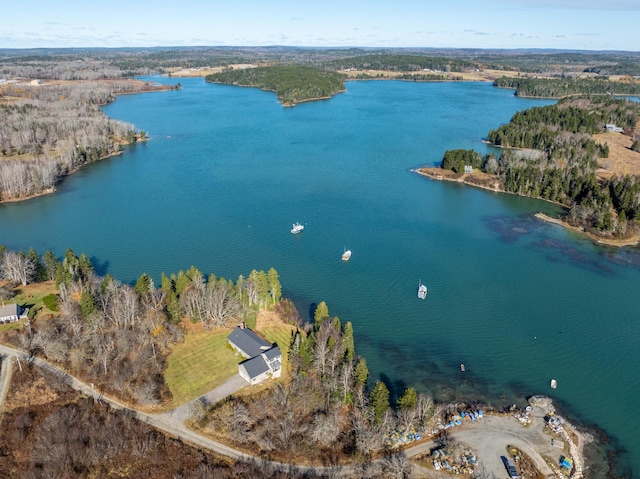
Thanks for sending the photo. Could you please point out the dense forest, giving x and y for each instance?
(292, 83)
(48, 131)
(402, 63)
(555, 159)
(136, 61)
(554, 62)
(561, 87)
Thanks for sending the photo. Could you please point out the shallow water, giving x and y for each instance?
(228, 170)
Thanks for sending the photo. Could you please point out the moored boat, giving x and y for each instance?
(297, 228)
(422, 290)
(346, 255)
(554, 384)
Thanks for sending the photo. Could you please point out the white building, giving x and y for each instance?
(10, 313)
(264, 359)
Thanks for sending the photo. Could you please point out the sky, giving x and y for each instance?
(558, 24)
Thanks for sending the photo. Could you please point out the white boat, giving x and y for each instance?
(422, 290)
(346, 255)
(554, 384)
(297, 228)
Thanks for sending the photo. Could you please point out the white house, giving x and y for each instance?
(266, 365)
(264, 359)
(613, 128)
(12, 312)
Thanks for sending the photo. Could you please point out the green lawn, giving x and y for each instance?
(202, 362)
(205, 361)
(30, 296)
(280, 335)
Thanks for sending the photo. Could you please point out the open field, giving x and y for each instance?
(476, 75)
(202, 362)
(205, 360)
(204, 71)
(622, 160)
(30, 296)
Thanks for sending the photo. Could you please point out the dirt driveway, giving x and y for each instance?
(490, 436)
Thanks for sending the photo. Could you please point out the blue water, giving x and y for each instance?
(227, 171)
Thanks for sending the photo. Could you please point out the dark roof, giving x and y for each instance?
(248, 342)
(255, 366)
(273, 353)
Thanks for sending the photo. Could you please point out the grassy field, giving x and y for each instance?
(30, 296)
(205, 360)
(202, 362)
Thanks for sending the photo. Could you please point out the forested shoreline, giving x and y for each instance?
(549, 154)
(50, 130)
(49, 98)
(561, 87)
(291, 83)
(118, 337)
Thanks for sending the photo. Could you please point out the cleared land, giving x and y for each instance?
(205, 360)
(204, 71)
(622, 160)
(31, 295)
(202, 362)
(476, 75)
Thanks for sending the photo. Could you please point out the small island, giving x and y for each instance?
(292, 83)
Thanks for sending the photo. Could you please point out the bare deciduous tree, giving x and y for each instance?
(17, 268)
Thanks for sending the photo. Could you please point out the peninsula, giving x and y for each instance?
(582, 153)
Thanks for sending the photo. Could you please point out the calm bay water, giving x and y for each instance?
(227, 170)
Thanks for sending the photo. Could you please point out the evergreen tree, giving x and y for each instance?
(361, 373)
(174, 311)
(50, 264)
(85, 268)
(321, 313)
(408, 400)
(379, 401)
(167, 284)
(349, 344)
(106, 281)
(262, 285)
(144, 284)
(40, 273)
(274, 285)
(87, 303)
(181, 281)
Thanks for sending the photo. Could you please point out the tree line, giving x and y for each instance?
(556, 160)
(291, 83)
(403, 63)
(561, 87)
(117, 335)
